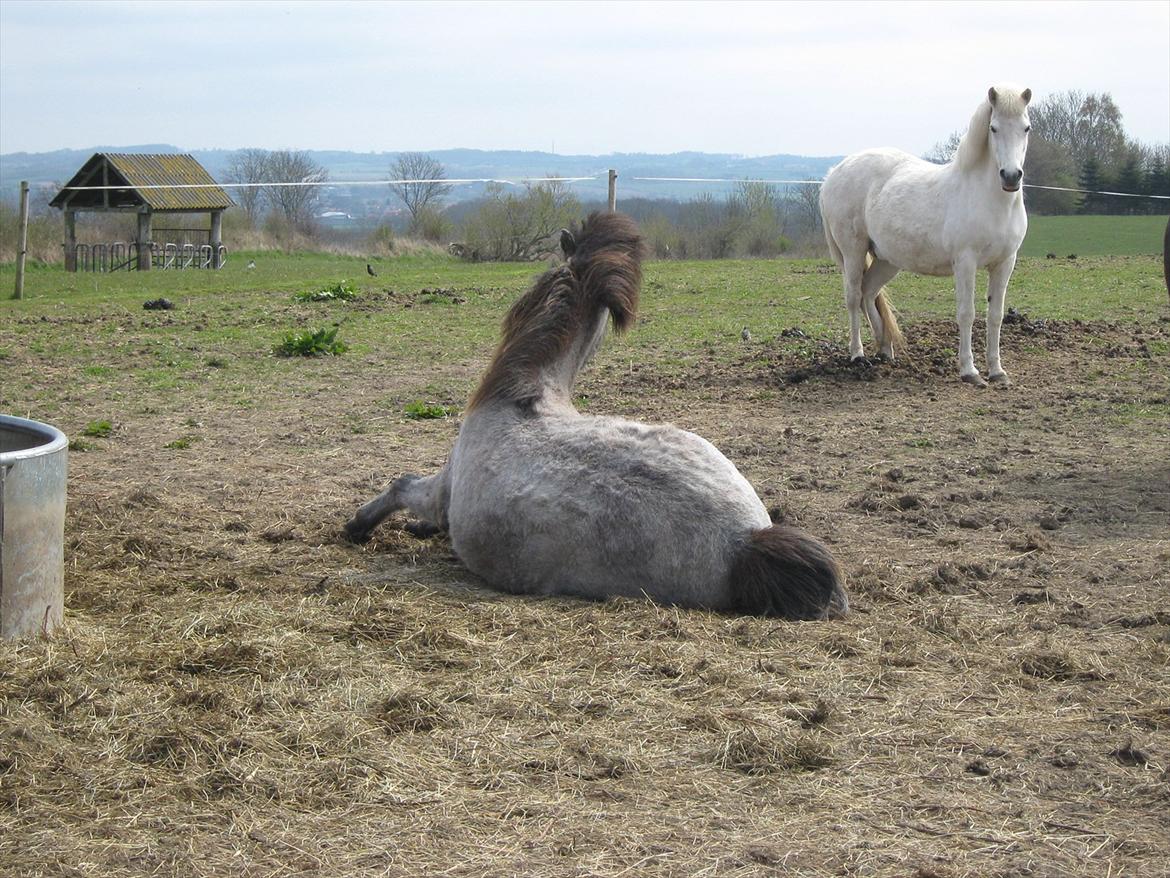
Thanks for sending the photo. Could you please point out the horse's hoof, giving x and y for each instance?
(861, 361)
(974, 379)
(354, 533)
(424, 530)
(1000, 378)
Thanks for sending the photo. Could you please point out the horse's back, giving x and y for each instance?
(854, 180)
(599, 507)
(858, 191)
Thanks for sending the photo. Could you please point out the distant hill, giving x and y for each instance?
(58, 166)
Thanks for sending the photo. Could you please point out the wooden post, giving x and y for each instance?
(70, 240)
(612, 190)
(215, 238)
(23, 238)
(143, 240)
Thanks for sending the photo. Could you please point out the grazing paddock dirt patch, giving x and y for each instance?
(240, 692)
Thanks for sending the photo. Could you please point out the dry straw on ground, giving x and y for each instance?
(238, 692)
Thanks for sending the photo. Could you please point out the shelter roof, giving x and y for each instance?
(162, 182)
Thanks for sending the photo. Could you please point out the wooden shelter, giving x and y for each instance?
(145, 184)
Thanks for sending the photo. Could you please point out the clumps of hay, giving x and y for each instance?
(758, 751)
(410, 711)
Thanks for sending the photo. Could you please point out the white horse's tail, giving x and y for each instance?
(782, 571)
(890, 329)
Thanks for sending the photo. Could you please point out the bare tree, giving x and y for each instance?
(248, 166)
(295, 203)
(762, 232)
(758, 199)
(943, 151)
(806, 201)
(427, 186)
(514, 227)
(1084, 124)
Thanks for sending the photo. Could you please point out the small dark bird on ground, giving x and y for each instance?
(158, 305)
(1050, 256)
(746, 335)
(370, 270)
(251, 264)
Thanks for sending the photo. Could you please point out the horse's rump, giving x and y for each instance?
(782, 571)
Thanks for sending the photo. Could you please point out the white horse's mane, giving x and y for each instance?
(1008, 100)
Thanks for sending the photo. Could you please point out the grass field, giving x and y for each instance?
(237, 691)
(1094, 235)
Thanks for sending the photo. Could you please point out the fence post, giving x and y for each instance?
(142, 242)
(23, 238)
(70, 240)
(215, 238)
(612, 190)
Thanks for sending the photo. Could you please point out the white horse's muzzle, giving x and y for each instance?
(1011, 180)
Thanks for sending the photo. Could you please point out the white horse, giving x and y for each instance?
(885, 210)
(540, 499)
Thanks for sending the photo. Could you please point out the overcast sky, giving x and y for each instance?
(744, 78)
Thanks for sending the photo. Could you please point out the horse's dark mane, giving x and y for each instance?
(604, 272)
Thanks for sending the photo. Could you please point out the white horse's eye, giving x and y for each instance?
(1027, 128)
(994, 130)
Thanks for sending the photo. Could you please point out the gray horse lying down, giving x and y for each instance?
(541, 499)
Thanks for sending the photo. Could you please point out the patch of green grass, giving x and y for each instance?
(80, 445)
(419, 410)
(1127, 412)
(1093, 236)
(311, 343)
(342, 291)
(98, 429)
(690, 318)
(182, 442)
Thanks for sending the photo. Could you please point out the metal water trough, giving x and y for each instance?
(33, 469)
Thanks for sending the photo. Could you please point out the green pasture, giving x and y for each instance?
(426, 311)
(1094, 235)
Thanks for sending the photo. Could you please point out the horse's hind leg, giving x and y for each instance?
(853, 271)
(425, 496)
(877, 275)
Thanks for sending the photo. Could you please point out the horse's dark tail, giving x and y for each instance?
(782, 571)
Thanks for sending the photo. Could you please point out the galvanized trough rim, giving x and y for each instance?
(50, 439)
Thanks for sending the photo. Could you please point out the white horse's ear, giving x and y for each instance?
(991, 95)
(1026, 94)
(568, 244)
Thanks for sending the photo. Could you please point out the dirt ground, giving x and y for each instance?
(240, 692)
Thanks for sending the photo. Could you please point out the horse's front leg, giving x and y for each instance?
(425, 496)
(965, 307)
(997, 281)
